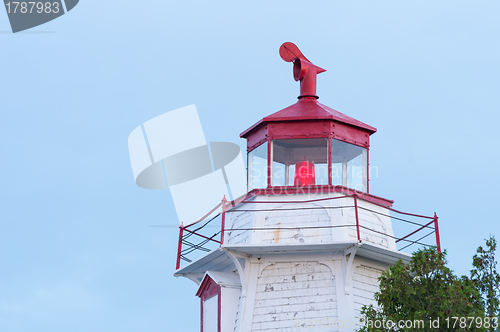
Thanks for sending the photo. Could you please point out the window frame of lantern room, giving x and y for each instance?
(364, 154)
(315, 150)
(263, 147)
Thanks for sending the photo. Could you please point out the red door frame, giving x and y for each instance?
(207, 289)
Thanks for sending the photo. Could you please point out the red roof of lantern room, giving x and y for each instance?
(308, 109)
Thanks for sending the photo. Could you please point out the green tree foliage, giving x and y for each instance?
(486, 277)
(425, 293)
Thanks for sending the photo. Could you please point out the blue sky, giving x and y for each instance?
(76, 249)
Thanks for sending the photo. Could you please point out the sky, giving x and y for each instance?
(77, 250)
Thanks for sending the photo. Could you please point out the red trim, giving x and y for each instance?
(207, 289)
(203, 236)
(410, 214)
(223, 222)
(308, 129)
(330, 161)
(349, 134)
(322, 190)
(299, 129)
(252, 128)
(257, 138)
(237, 201)
(418, 230)
(219, 299)
(368, 169)
(436, 229)
(179, 247)
(294, 202)
(355, 197)
(269, 163)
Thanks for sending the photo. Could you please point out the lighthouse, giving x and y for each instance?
(303, 249)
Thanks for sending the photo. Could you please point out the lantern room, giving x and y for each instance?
(308, 241)
(307, 145)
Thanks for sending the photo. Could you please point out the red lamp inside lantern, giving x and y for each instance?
(304, 174)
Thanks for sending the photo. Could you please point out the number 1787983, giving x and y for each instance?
(32, 7)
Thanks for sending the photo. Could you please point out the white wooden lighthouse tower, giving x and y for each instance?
(303, 250)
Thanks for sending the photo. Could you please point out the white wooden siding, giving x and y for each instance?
(293, 292)
(335, 212)
(237, 220)
(317, 216)
(365, 284)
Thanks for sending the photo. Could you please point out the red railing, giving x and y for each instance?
(186, 246)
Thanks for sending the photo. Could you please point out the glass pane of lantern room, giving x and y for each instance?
(300, 162)
(257, 167)
(349, 165)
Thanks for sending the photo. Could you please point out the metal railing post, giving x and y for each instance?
(436, 230)
(179, 247)
(223, 223)
(355, 196)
